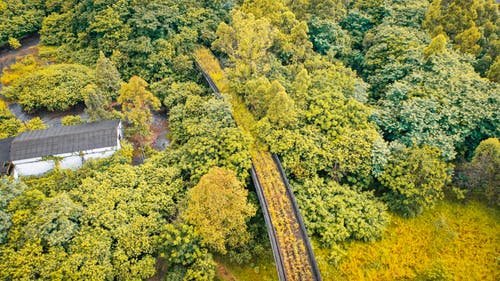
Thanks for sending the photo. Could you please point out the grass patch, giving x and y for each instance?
(461, 240)
(262, 269)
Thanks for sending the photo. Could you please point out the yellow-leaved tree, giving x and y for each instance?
(218, 208)
(137, 102)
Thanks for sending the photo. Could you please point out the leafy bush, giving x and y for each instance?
(336, 213)
(482, 175)
(414, 178)
(8, 191)
(9, 124)
(72, 120)
(55, 87)
(187, 259)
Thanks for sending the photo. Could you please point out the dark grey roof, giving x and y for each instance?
(5, 149)
(64, 139)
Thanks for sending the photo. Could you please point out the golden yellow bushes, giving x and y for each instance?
(463, 240)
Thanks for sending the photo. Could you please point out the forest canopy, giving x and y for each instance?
(378, 110)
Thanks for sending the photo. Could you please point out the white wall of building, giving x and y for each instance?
(99, 153)
(71, 162)
(34, 166)
(39, 166)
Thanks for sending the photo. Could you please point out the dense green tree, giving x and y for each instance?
(105, 227)
(437, 46)
(151, 39)
(24, 66)
(174, 93)
(33, 124)
(336, 213)
(56, 221)
(407, 13)
(109, 29)
(182, 248)
(249, 48)
(107, 77)
(482, 175)
(54, 29)
(9, 190)
(9, 124)
(55, 87)
(446, 105)
(472, 25)
(19, 18)
(96, 103)
(206, 136)
(494, 71)
(329, 38)
(414, 178)
(392, 52)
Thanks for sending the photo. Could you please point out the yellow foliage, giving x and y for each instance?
(463, 239)
(211, 66)
(22, 67)
(218, 209)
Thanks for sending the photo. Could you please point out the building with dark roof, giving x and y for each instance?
(36, 152)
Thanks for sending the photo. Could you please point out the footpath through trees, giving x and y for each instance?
(290, 243)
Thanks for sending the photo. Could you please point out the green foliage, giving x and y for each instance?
(107, 77)
(414, 178)
(150, 39)
(447, 105)
(55, 87)
(336, 213)
(247, 47)
(104, 227)
(205, 136)
(482, 175)
(437, 46)
(33, 124)
(96, 103)
(494, 72)
(473, 27)
(392, 52)
(329, 38)
(72, 120)
(23, 66)
(19, 18)
(218, 208)
(9, 190)
(56, 221)
(269, 99)
(182, 248)
(174, 93)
